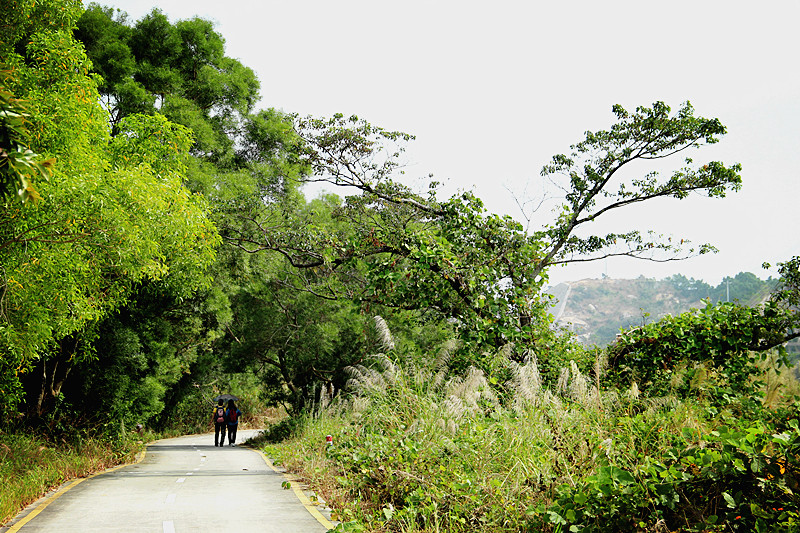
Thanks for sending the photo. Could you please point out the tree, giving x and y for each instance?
(113, 215)
(178, 70)
(297, 344)
(693, 289)
(243, 161)
(595, 185)
(19, 166)
(482, 270)
(788, 290)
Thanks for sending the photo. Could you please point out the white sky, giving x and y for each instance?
(493, 90)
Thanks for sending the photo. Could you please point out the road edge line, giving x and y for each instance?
(47, 500)
(310, 507)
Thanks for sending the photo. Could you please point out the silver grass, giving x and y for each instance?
(389, 370)
(439, 379)
(442, 360)
(676, 379)
(471, 389)
(445, 354)
(552, 400)
(600, 366)
(611, 400)
(455, 408)
(526, 382)
(364, 380)
(452, 428)
(384, 334)
(593, 398)
(703, 377)
(359, 404)
(563, 381)
(578, 386)
(506, 351)
(633, 393)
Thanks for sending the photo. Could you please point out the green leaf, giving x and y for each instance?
(622, 476)
(729, 500)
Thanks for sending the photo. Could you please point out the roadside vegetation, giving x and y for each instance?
(418, 449)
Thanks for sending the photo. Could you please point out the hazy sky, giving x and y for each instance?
(493, 90)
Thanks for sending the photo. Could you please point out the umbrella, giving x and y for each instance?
(226, 397)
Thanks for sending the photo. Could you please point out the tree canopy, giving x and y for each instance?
(113, 215)
(482, 270)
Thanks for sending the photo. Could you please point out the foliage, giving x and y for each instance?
(19, 166)
(386, 245)
(718, 339)
(281, 430)
(245, 166)
(598, 309)
(479, 270)
(113, 216)
(733, 480)
(744, 287)
(296, 344)
(177, 70)
(48, 72)
(788, 290)
(418, 449)
(595, 186)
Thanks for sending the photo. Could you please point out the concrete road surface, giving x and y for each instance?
(183, 484)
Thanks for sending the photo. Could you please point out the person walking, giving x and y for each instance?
(220, 423)
(232, 414)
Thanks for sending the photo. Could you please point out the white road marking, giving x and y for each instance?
(169, 527)
(181, 480)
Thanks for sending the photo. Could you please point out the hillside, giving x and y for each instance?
(596, 309)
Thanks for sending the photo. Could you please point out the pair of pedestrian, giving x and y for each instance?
(225, 419)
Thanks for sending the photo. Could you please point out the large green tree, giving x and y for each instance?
(243, 160)
(178, 70)
(409, 250)
(385, 245)
(113, 215)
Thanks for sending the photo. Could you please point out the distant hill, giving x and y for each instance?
(597, 309)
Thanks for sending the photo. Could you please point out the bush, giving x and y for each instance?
(735, 480)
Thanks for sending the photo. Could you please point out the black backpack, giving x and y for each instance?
(219, 418)
(232, 415)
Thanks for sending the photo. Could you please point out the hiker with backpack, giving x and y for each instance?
(220, 423)
(233, 414)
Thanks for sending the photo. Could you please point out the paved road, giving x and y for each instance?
(183, 484)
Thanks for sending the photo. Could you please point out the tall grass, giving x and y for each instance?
(417, 450)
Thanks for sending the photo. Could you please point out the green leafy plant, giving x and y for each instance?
(726, 337)
(735, 479)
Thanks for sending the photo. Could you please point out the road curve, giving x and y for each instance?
(183, 484)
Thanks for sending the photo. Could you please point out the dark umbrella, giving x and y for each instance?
(226, 397)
